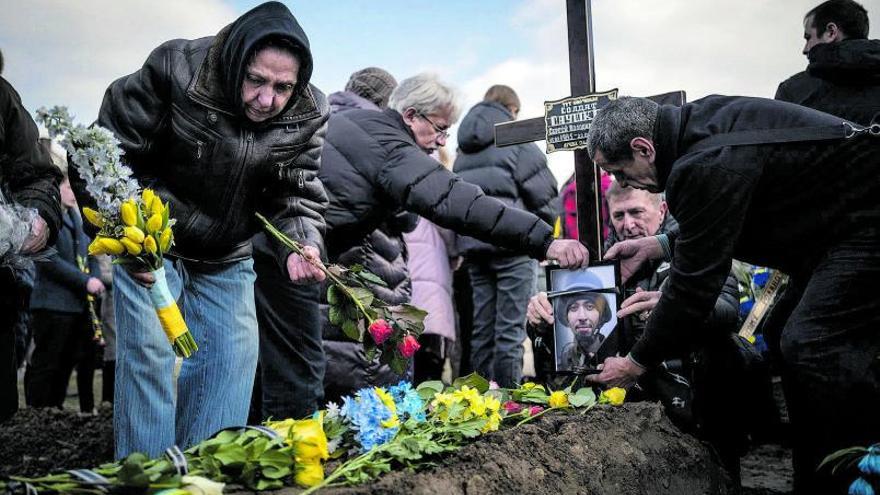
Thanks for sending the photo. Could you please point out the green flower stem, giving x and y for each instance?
(346, 467)
(297, 248)
(530, 418)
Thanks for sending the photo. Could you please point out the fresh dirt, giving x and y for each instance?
(35, 442)
(633, 449)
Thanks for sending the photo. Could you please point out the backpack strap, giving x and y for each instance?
(844, 130)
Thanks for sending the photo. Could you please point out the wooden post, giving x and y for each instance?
(583, 81)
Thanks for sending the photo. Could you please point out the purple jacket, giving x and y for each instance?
(431, 277)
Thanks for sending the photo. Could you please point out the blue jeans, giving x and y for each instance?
(502, 287)
(213, 389)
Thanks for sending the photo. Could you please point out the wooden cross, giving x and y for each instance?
(583, 82)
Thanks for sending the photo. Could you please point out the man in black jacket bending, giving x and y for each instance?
(377, 164)
(808, 207)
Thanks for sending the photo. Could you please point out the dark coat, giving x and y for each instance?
(60, 285)
(775, 205)
(515, 175)
(182, 126)
(842, 79)
(26, 172)
(372, 169)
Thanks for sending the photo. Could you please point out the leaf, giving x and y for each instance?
(230, 454)
(274, 464)
(350, 329)
(370, 352)
(332, 296)
(473, 380)
(132, 471)
(365, 296)
(584, 397)
(372, 278)
(335, 315)
(398, 363)
(841, 456)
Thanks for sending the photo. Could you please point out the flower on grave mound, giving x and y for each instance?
(135, 226)
(375, 414)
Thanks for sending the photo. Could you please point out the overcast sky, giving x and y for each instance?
(67, 52)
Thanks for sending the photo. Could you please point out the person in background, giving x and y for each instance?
(62, 328)
(431, 263)
(29, 177)
(502, 279)
(108, 325)
(290, 378)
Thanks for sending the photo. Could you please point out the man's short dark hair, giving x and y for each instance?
(851, 18)
(620, 122)
(504, 95)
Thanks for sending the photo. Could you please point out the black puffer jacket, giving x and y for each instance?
(181, 122)
(382, 252)
(26, 173)
(515, 175)
(842, 79)
(372, 168)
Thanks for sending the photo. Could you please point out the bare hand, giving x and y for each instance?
(303, 270)
(95, 287)
(642, 302)
(569, 253)
(146, 279)
(38, 237)
(455, 263)
(633, 253)
(540, 310)
(617, 372)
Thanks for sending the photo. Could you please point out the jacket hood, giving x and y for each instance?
(341, 101)
(477, 129)
(271, 19)
(849, 62)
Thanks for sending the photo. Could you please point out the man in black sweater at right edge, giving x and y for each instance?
(753, 179)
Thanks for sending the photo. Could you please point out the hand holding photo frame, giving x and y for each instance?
(585, 304)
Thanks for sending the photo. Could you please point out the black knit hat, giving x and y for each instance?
(372, 83)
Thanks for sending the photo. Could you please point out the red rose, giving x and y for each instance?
(535, 410)
(380, 330)
(511, 407)
(408, 346)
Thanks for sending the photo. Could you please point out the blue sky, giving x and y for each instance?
(68, 52)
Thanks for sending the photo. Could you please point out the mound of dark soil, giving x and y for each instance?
(633, 449)
(35, 442)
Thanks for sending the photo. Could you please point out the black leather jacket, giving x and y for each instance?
(181, 123)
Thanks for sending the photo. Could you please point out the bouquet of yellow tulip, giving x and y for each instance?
(134, 226)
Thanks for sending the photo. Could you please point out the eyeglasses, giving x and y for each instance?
(439, 130)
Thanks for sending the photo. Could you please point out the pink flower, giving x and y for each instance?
(512, 407)
(535, 410)
(493, 385)
(380, 330)
(408, 346)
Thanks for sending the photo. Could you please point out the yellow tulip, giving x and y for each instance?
(128, 212)
(96, 248)
(309, 439)
(156, 206)
(613, 396)
(150, 244)
(154, 224)
(165, 239)
(93, 217)
(133, 248)
(309, 474)
(134, 234)
(106, 245)
(558, 399)
(148, 196)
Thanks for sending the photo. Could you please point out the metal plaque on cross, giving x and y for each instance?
(567, 121)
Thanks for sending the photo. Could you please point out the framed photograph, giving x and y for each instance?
(585, 304)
